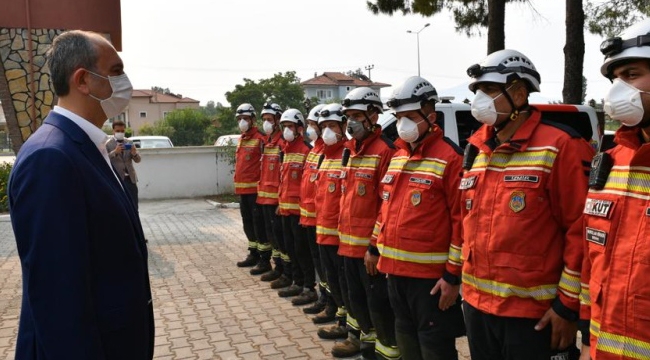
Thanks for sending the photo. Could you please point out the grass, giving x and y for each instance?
(224, 198)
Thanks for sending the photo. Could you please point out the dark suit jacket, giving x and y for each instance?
(86, 292)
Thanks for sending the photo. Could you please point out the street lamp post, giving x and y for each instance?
(417, 34)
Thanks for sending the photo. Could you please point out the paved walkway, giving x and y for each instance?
(205, 307)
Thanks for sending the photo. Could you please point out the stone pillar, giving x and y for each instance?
(20, 75)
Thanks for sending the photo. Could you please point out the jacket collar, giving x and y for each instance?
(485, 138)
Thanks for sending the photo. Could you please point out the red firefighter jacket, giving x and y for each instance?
(308, 185)
(361, 198)
(616, 268)
(421, 223)
(328, 195)
(521, 204)
(267, 190)
(293, 163)
(247, 161)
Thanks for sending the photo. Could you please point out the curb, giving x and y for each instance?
(218, 205)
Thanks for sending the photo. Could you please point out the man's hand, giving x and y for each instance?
(584, 353)
(118, 148)
(448, 293)
(133, 151)
(563, 332)
(277, 210)
(370, 261)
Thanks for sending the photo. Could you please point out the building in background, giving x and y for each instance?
(331, 86)
(148, 106)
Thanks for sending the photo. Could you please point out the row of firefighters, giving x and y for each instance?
(544, 237)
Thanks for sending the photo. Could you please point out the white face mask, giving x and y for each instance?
(119, 99)
(407, 129)
(268, 127)
(623, 103)
(330, 137)
(483, 108)
(311, 133)
(243, 125)
(288, 134)
(119, 136)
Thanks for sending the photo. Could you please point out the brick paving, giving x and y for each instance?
(205, 307)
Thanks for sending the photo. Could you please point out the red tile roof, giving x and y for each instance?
(337, 78)
(162, 98)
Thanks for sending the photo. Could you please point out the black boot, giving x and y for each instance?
(261, 267)
(251, 260)
(271, 275)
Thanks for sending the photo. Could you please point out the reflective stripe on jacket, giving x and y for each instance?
(308, 185)
(361, 199)
(247, 161)
(521, 204)
(616, 268)
(328, 195)
(421, 224)
(267, 190)
(293, 163)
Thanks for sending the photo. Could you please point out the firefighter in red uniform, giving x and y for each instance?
(522, 197)
(615, 279)
(369, 156)
(267, 198)
(419, 239)
(247, 175)
(294, 154)
(308, 213)
(332, 123)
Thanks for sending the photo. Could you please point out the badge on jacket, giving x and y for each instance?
(313, 177)
(517, 201)
(416, 198)
(294, 175)
(361, 189)
(271, 167)
(248, 157)
(331, 187)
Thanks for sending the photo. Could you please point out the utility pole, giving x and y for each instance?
(369, 68)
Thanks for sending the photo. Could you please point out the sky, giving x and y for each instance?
(203, 48)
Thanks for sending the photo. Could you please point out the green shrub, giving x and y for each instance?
(5, 169)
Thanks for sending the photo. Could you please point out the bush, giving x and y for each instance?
(5, 169)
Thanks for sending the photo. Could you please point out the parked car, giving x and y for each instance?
(458, 124)
(151, 142)
(227, 140)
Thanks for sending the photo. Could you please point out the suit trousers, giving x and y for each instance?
(423, 331)
(253, 221)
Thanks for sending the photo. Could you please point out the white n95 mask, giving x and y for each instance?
(407, 129)
(483, 108)
(243, 125)
(329, 136)
(119, 99)
(119, 136)
(268, 127)
(623, 103)
(288, 135)
(311, 133)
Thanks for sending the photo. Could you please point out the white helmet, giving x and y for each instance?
(502, 67)
(272, 108)
(362, 98)
(411, 94)
(633, 43)
(313, 113)
(294, 116)
(331, 112)
(245, 109)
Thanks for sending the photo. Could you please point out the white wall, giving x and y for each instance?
(183, 172)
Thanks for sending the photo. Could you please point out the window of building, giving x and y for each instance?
(324, 94)
(143, 114)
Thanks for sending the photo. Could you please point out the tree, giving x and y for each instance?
(574, 53)
(185, 127)
(471, 16)
(282, 89)
(613, 16)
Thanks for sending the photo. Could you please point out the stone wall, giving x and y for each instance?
(25, 113)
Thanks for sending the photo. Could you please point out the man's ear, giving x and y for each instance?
(78, 80)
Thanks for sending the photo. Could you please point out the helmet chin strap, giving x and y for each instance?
(514, 114)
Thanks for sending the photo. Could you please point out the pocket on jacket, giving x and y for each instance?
(518, 261)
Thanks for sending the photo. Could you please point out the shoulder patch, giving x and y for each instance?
(453, 145)
(387, 141)
(574, 133)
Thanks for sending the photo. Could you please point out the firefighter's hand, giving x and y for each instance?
(563, 332)
(277, 211)
(448, 293)
(584, 353)
(370, 261)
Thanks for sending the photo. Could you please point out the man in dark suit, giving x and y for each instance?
(86, 292)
